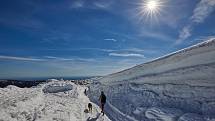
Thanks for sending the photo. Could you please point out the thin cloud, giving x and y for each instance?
(103, 4)
(56, 36)
(110, 39)
(156, 35)
(80, 49)
(126, 50)
(203, 9)
(184, 34)
(126, 55)
(46, 58)
(77, 4)
(138, 50)
(204, 38)
(134, 50)
(96, 4)
(2, 57)
(51, 57)
(74, 59)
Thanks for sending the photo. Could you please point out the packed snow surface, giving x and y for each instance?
(176, 87)
(52, 101)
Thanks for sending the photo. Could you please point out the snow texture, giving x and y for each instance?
(191, 117)
(163, 114)
(179, 86)
(52, 101)
(57, 87)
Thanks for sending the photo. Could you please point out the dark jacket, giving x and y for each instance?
(102, 98)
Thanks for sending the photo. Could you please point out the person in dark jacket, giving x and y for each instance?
(90, 107)
(102, 100)
(85, 91)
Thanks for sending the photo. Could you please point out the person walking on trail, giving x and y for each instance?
(85, 91)
(102, 100)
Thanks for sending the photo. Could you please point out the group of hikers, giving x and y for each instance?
(102, 101)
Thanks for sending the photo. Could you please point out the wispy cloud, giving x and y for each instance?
(46, 58)
(74, 59)
(204, 38)
(125, 50)
(131, 50)
(184, 34)
(156, 35)
(139, 50)
(111, 39)
(94, 4)
(79, 49)
(2, 57)
(103, 4)
(50, 57)
(203, 9)
(77, 4)
(143, 33)
(126, 55)
(54, 36)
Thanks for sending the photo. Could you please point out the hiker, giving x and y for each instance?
(90, 107)
(85, 91)
(102, 100)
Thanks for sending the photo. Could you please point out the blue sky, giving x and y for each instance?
(60, 38)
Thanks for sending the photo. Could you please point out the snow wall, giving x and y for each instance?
(179, 86)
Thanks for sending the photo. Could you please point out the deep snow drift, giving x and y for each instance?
(52, 101)
(176, 87)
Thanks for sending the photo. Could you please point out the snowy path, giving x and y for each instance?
(32, 104)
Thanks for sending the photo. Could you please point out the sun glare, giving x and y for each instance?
(150, 9)
(151, 5)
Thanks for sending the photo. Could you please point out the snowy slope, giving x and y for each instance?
(52, 101)
(179, 86)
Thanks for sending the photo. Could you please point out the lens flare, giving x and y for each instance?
(149, 9)
(151, 5)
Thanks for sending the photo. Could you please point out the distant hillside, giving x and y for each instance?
(19, 83)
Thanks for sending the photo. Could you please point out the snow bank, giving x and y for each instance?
(57, 87)
(163, 114)
(183, 80)
(191, 117)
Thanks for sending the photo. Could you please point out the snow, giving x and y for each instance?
(191, 117)
(163, 114)
(182, 81)
(176, 87)
(57, 87)
(52, 101)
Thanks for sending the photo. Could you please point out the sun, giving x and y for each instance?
(150, 9)
(152, 5)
